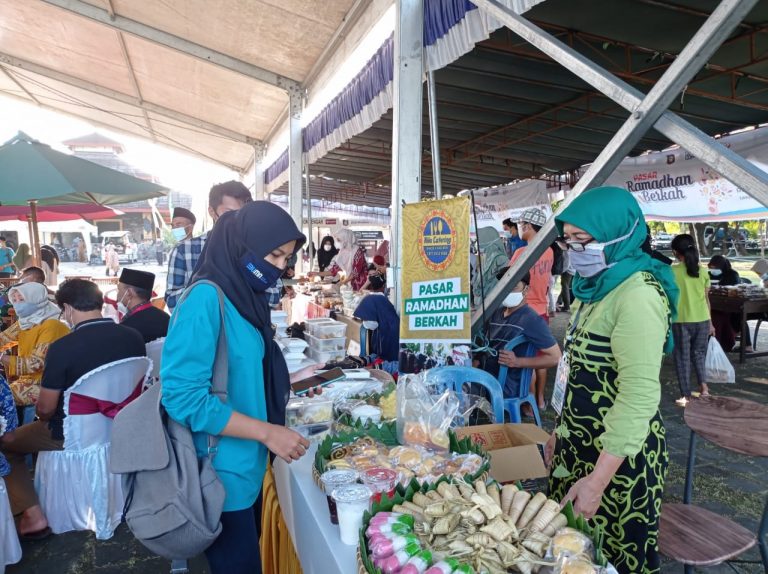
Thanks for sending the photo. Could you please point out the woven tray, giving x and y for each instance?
(361, 569)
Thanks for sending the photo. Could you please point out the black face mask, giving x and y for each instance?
(259, 273)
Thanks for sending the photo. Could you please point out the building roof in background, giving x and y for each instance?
(104, 151)
(94, 140)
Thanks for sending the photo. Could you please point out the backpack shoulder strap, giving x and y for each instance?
(220, 375)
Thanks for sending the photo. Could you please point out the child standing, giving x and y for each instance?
(693, 325)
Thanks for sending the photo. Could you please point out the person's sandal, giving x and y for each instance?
(37, 534)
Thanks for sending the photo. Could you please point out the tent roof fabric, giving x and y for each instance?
(132, 83)
(506, 111)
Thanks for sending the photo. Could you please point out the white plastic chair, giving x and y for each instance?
(155, 352)
(75, 487)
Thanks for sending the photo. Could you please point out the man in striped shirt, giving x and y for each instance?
(223, 197)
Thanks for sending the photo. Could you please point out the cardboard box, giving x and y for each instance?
(513, 448)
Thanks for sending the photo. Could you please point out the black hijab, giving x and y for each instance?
(259, 227)
(324, 257)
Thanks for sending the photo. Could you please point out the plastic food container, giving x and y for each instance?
(366, 413)
(352, 501)
(327, 356)
(327, 330)
(314, 432)
(333, 479)
(294, 345)
(310, 322)
(336, 344)
(380, 480)
(306, 411)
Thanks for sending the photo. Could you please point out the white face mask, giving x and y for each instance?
(514, 299)
(327, 247)
(715, 272)
(371, 325)
(591, 260)
(121, 307)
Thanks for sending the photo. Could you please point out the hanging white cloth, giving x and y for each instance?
(10, 549)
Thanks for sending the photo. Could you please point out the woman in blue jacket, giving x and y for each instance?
(245, 254)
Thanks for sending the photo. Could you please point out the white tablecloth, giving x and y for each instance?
(305, 511)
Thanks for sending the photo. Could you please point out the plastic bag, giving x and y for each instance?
(423, 418)
(471, 409)
(717, 368)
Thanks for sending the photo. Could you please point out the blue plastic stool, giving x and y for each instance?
(28, 417)
(456, 377)
(513, 405)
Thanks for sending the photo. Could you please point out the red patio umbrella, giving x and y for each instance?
(58, 212)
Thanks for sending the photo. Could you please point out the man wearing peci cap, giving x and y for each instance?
(531, 221)
(223, 197)
(133, 294)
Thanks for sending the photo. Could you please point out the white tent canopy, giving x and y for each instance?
(210, 78)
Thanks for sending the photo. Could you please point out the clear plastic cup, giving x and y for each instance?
(380, 480)
(333, 479)
(352, 500)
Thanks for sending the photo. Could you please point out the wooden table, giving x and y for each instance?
(744, 308)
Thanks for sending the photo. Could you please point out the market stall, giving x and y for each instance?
(312, 304)
(387, 486)
(745, 302)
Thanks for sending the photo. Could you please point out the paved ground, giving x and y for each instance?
(160, 271)
(727, 483)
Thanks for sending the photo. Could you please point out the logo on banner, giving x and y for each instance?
(437, 240)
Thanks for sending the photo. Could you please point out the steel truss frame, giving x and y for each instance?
(646, 111)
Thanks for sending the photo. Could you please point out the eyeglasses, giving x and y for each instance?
(578, 246)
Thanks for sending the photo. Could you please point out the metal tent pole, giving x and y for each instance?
(295, 162)
(434, 135)
(644, 114)
(406, 125)
(310, 241)
(259, 190)
(726, 162)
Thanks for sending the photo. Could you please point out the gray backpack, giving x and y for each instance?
(173, 499)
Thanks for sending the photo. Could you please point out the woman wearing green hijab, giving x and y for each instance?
(608, 453)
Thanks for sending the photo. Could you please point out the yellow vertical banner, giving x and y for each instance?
(435, 311)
